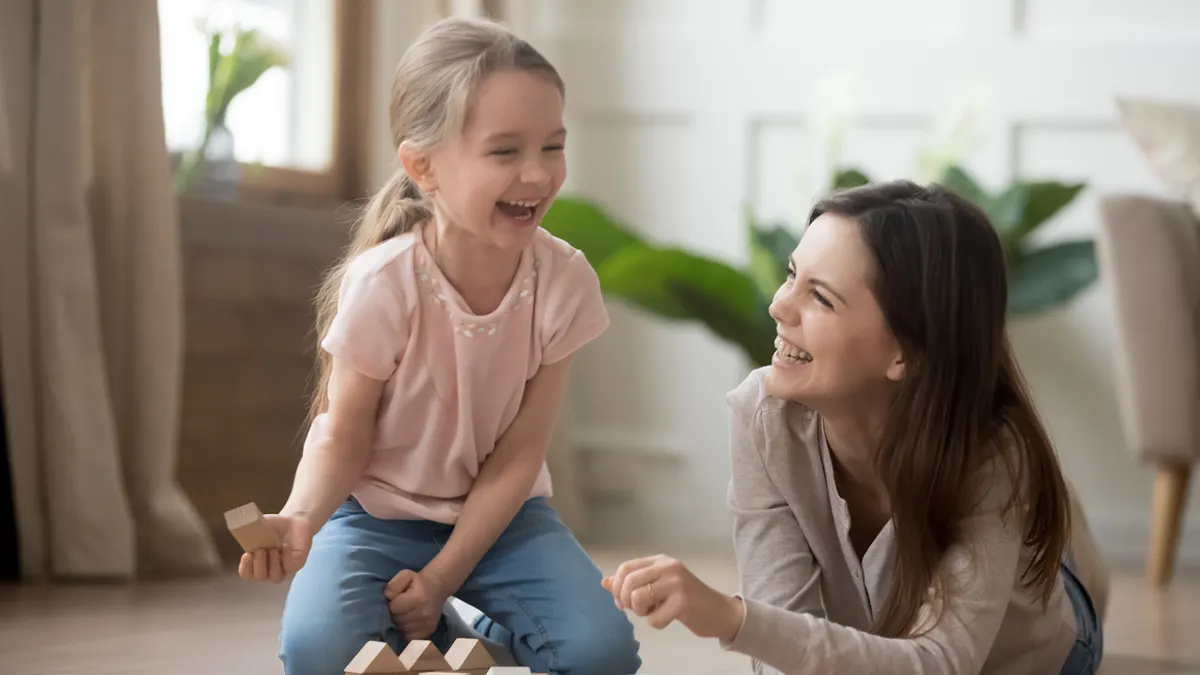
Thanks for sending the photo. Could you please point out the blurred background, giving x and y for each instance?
(156, 373)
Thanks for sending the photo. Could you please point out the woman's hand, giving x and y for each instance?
(664, 590)
(415, 601)
(275, 565)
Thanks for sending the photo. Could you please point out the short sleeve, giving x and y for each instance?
(369, 330)
(574, 310)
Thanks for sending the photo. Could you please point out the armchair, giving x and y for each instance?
(1148, 251)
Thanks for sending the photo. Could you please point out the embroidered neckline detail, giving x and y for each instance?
(519, 295)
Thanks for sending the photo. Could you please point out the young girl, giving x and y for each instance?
(898, 505)
(447, 334)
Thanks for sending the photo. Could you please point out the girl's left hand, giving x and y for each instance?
(664, 590)
(415, 601)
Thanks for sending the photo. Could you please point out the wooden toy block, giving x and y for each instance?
(422, 656)
(375, 657)
(469, 655)
(251, 530)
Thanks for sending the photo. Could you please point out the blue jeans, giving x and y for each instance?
(1084, 658)
(539, 593)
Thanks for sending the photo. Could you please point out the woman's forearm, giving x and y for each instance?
(326, 474)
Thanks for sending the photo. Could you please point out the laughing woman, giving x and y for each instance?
(898, 506)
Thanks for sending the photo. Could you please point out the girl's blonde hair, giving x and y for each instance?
(431, 93)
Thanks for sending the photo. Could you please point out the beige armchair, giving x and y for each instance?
(1149, 258)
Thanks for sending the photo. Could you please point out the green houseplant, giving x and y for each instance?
(230, 72)
(731, 300)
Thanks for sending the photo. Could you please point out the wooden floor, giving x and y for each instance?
(222, 626)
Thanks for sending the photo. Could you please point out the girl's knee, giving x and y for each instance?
(605, 646)
(312, 646)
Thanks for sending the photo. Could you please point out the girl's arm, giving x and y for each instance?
(505, 479)
(335, 459)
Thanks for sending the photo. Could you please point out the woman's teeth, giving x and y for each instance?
(791, 352)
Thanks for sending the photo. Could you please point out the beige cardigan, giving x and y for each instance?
(809, 602)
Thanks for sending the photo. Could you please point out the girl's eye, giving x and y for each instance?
(553, 148)
(821, 299)
(791, 273)
(505, 151)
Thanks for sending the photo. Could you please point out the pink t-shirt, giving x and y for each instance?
(455, 380)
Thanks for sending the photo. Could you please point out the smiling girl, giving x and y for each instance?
(446, 334)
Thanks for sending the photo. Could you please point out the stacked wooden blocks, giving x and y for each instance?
(465, 657)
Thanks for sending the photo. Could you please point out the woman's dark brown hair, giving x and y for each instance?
(941, 280)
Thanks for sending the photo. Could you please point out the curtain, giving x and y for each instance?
(91, 306)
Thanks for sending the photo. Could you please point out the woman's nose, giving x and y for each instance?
(781, 309)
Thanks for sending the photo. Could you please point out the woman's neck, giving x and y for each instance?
(470, 264)
(854, 435)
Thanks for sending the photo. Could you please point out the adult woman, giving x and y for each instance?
(898, 505)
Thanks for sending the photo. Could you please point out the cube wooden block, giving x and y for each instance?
(251, 530)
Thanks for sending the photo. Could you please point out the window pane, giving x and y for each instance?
(286, 118)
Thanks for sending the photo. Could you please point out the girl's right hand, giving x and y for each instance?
(275, 565)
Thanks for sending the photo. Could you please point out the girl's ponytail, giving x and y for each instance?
(395, 209)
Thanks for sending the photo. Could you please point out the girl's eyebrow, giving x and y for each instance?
(513, 135)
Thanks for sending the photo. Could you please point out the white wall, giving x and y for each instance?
(681, 111)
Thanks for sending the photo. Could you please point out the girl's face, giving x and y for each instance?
(500, 175)
(833, 341)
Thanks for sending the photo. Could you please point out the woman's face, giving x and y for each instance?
(833, 343)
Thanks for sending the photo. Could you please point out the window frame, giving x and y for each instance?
(346, 178)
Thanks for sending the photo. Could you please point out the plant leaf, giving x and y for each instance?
(650, 278)
(1007, 210)
(585, 225)
(1046, 198)
(848, 178)
(957, 179)
(770, 249)
(1050, 276)
(754, 335)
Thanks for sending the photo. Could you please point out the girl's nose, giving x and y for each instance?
(534, 174)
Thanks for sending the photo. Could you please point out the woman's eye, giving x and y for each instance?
(505, 151)
(553, 148)
(821, 299)
(790, 273)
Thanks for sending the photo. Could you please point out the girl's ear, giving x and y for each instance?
(898, 369)
(418, 167)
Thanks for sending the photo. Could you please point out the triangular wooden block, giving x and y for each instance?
(423, 656)
(472, 654)
(509, 670)
(375, 657)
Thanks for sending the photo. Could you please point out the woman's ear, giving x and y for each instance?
(418, 167)
(898, 369)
